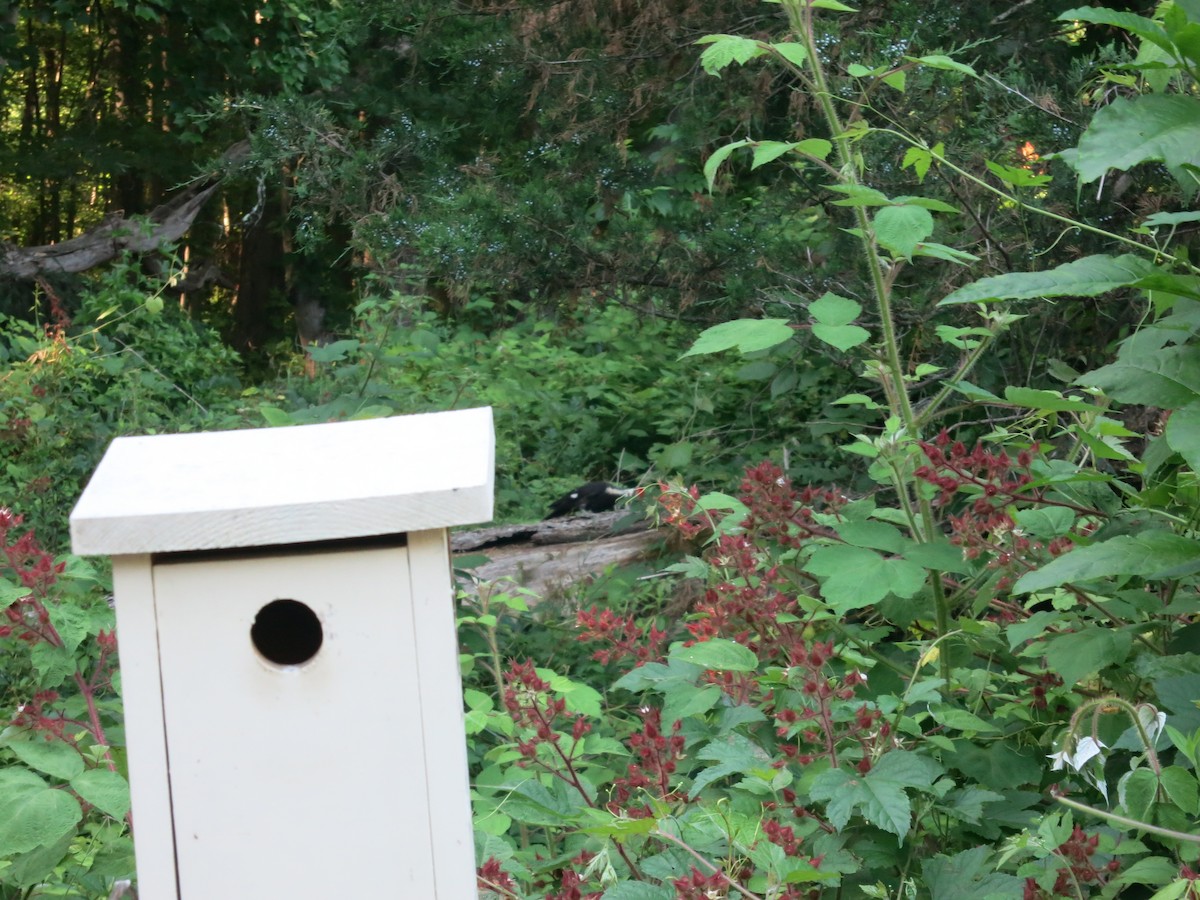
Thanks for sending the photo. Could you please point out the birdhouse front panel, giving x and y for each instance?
(291, 689)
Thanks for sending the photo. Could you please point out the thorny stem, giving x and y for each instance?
(800, 14)
(716, 870)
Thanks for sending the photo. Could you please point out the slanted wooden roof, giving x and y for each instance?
(228, 489)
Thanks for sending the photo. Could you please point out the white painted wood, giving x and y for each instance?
(443, 729)
(288, 485)
(141, 695)
(308, 781)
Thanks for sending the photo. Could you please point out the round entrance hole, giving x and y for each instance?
(286, 632)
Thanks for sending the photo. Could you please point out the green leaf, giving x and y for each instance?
(276, 417)
(734, 754)
(968, 876)
(33, 814)
(1076, 655)
(1017, 176)
(713, 163)
(872, 534)
(843, 337)
(334, 351)
(54, 665)
(880, 794)
(937, 61)
(1180, 785)
(1158, 220)
(639, 890)
(859, 195)
(1183, 434)
(720, 654)
(1152, 554)
(793, 52)
(726, 49)
(769, 151)
(1168, 378)
(854, 577)
(747, 335)
(532, 803)
(900, 228)
(71, 622)
(105, 790)
(1146, 29)
(1087, 277)
(1051, 401)
(1129, 131)
(56, 758)
(830, 309)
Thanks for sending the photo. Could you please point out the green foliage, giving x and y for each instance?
(127, 364)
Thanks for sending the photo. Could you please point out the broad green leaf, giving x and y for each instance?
(946, 254)
(900, 228)
(831, 309)
(1168, 378)
(56, 758)
(939, 555)
(71, 622)
(105, 790)
(938, 61)
(843, 337)
(1087, 277)
(54, 665)
(720, 654)
(734, 754)
(920, 159)
(1183, 434)
(747, 335)
(32, 814)
(998, 765)
(276, 417)
(1078, 654)
(968, 876)
(1147, 555)
(1177, 218)
(854, 577)
(927, 203)
(1146, 29)
(792, 52)
(683, 700)
(1047, 400)
(880, 794)
(1017, 176)
(639, 890)
(532, 803)
(769, 151)
(1154, 127)
(859, 195)
(725, 49)
(713, 163)
(872, 534)
(334, 351)
(1180, 785)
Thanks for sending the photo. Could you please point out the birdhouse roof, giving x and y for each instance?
(304, 483)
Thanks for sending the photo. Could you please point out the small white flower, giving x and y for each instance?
(1086, 749)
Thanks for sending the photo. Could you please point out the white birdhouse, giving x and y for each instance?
(289, 662)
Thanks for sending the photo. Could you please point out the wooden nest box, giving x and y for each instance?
(289, 662)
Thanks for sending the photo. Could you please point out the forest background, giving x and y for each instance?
(930, 260)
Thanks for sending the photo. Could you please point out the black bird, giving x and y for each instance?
(595, 496)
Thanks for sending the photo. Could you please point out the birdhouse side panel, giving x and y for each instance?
(145, 738)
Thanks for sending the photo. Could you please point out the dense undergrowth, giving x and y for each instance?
(943, 642)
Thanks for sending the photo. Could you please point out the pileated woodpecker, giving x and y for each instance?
(595, 496)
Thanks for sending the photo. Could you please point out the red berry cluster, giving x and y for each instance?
(530, 706)
(1078, 850)
(657, 753)
(984, 527)
(627, 637)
